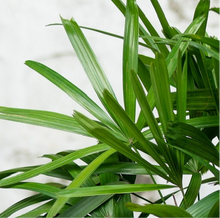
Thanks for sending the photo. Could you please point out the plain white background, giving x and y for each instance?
(24, 36)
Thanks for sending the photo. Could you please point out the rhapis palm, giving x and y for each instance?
(180, 80)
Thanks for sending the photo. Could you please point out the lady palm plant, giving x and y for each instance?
(180, 81)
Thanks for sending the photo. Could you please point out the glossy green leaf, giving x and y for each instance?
(70, 89)
(163, 20)
(148, 42)
(192, 191)
(204, 206)
(53, 165)
(87, 58)
(130, 56)
(112, 189)
(57, 173)
(202, 9)
(46, 189)
(160, 210)
(181, 89)
(161, 90)
(42, 118)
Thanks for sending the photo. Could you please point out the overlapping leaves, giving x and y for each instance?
(183, 130)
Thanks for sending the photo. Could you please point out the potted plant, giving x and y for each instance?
(180, 81)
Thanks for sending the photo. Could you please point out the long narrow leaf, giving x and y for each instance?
(130, 55)
(87, 57)
(181, 89)
(216, 73)
(73, 91)
(148, 41)
(163, 20)
(45, 189)
(150, 119)
(112, 189)
(42, 118)
(53, 165)
(79, 180)
(202, 9)
(161, 90)
(192, 191)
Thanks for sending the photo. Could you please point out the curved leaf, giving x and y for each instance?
(215, 9)
(204, 206)
(192, 191)
(87, 57)
(70, 89)
(42, 118)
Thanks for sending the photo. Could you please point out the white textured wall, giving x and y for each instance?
(23, 36)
